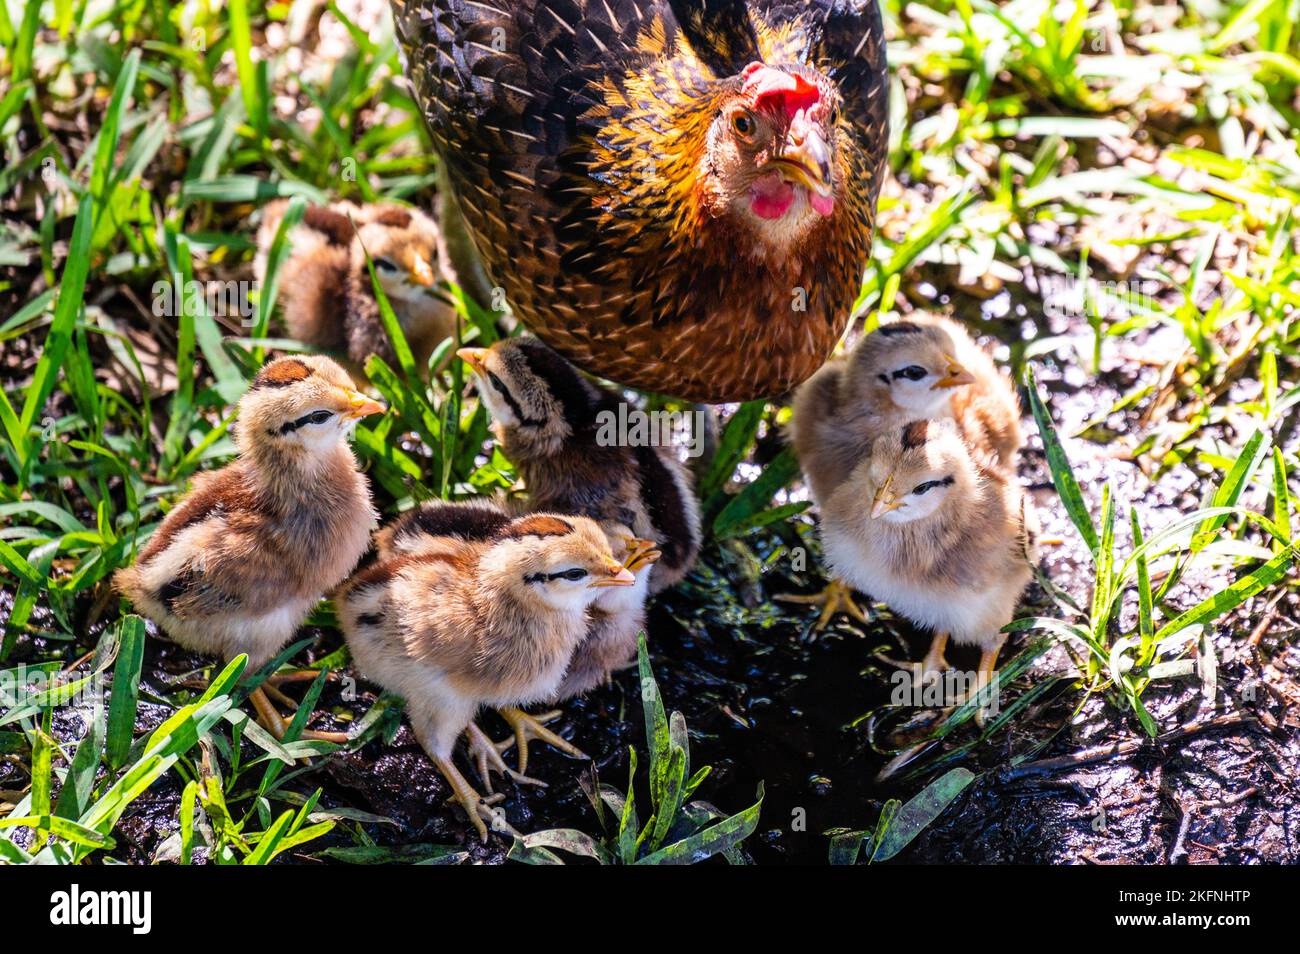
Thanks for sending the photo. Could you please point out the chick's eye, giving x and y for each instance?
(928, 485)
(496, 383)
(319, 417)
(577, 573)
(913, 372)
(743, 124)
(385, 265)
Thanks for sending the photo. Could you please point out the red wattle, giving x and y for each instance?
(824, 205)
(771, 197)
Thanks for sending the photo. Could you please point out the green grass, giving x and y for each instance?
(678, 831)
(1010, 129)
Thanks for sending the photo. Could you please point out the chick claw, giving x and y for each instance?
(478, 808)
(486, 759)
(836, 597)
(527, 728)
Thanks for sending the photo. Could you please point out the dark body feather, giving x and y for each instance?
(646, 489)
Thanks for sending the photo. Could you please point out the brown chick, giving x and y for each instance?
(921, 369)
(485, 612)
(939, 535)
(326, 295)
(547, 417)
(238, 564)
(616, 617)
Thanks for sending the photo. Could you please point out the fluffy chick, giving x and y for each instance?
(326, 296)
(482, 611)
(547, 419)
(922, 369)
(242, 559)
(615, 619)
(939, 535)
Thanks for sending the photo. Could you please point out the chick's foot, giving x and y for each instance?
(486, 758)
(269, 718)
(987, 681)
(836, 597)
(935, 664)
(479, 809)
(528, 728)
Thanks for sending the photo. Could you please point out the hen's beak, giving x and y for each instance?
(885, 500)
(422, 273)
(807, 160)
(619, 575)
(955, 376)
(474, 357)
(360, 406)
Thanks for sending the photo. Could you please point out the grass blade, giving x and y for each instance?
(736, 439)
(922, 809)
(1215, 606)
(1067, 486)
(72, 287)
(126, 690)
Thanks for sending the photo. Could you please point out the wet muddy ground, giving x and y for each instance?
(764, 702)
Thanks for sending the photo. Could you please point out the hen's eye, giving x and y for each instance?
(385, 264)
(743, 124)
(912, 372)
(577, 573)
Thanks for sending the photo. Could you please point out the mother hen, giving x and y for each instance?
(678, 195)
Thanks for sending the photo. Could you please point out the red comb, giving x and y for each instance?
(788, 92)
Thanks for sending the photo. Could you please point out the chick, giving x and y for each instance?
(921, 369)
(548, 418)
(326, 295)
(616, 616)
(238, 564)
(470, 608)
(945, 541)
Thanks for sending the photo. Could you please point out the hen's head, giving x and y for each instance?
(770, 163)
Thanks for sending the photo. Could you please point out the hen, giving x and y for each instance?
(678, 195)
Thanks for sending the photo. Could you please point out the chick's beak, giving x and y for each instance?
(619, 575)
(360, 406)
(422, 273)
(807, 158)
(474, 357)
(954, 377)
(885, 500)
